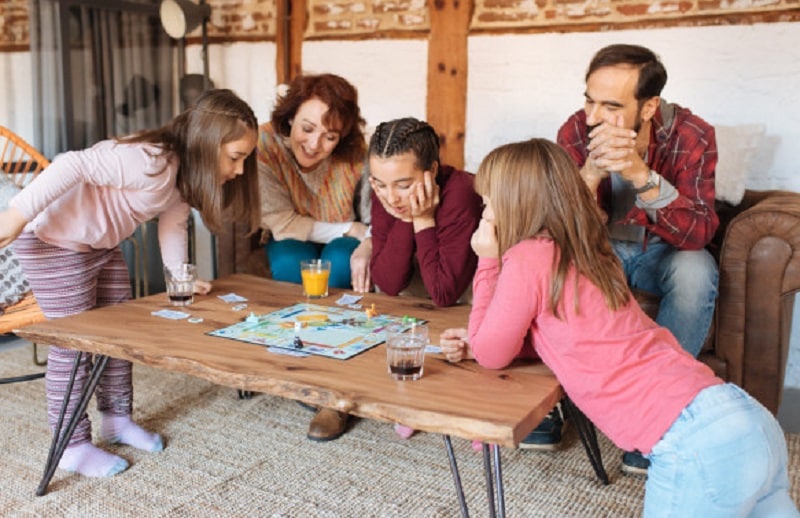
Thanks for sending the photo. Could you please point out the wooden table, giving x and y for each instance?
(465, 400)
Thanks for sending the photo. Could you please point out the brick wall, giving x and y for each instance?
(563, 14)
(236, 20)
(231, 20)
(331, 18)
(14, 25)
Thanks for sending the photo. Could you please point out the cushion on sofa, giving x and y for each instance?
(13, 285)
(737, 146)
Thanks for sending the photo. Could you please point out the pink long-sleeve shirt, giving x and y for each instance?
(97, 197)
(627, 374)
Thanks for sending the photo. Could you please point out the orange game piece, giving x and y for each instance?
(371, 312)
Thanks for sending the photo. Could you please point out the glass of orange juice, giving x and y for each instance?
(315, 274)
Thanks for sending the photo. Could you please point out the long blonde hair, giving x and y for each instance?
(536, 190)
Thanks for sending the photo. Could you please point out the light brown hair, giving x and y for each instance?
(536, 190)
(196, 136)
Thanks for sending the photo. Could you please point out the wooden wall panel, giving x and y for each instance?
(447, 76)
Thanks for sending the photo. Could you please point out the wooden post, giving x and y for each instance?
(447, 76)
(289, 39)
(297, 31)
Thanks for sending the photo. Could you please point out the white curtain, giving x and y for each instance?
(101, 69)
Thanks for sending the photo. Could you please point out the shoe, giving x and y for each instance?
(327, 425)
(546, 436)
(634, 463)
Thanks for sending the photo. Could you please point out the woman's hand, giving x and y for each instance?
(357, 230)
(359, 266)
(484, 240)
(11, 224)
(455, 345)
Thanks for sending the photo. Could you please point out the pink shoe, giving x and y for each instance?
(403, 431)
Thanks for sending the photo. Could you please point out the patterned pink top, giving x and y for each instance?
(291, 200)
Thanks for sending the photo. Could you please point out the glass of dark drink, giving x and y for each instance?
(405, 352)
(180, 283)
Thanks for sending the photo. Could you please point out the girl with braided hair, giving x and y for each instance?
(423, 214)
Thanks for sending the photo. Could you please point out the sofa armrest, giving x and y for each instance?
(759, 277)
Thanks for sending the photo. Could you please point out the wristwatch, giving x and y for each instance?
(653, 180)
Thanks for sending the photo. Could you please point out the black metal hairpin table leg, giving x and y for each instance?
(588, 436)
(61, 434)
(498, 478)
(462, 502)
(24, 377)
(497, 506)
(487, 469)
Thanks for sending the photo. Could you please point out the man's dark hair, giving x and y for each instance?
(652, 74)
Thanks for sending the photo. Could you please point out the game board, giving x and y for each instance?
(323, 330)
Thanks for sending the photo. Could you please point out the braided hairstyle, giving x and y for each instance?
(400, 136)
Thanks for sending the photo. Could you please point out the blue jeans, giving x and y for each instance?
(284, 258)
(724, 456)
(686, 281)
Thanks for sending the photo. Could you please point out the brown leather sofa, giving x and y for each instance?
(758, 249)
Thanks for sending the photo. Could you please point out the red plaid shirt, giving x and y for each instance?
(684, 154)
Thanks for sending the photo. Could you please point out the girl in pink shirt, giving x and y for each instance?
(69, 222)
(548, 282)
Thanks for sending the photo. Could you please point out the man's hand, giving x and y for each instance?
(455, 345)
(484, 240)
(11, 224)
(612, 148)
(359, 266)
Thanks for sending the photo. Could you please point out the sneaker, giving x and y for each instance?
(546, 436)
(634, 463)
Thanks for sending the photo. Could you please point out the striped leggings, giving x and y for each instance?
(66, 283)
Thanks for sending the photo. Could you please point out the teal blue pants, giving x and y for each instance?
(284, 258)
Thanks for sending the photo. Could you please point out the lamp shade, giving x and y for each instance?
(179, 17)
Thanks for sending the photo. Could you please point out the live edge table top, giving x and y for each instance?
(462, 399)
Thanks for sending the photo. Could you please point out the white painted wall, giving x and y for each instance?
(525, 85)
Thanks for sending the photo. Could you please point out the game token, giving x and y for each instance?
(251, 318)
(371, 311)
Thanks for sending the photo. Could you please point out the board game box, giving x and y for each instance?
(329, 331)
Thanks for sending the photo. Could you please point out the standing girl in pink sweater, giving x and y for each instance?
(72, 218)
(548, 281)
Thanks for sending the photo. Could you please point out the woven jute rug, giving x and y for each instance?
(230, 457)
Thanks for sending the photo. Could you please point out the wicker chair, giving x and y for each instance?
(21, 163)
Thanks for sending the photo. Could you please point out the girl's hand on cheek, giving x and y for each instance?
(484, 240)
